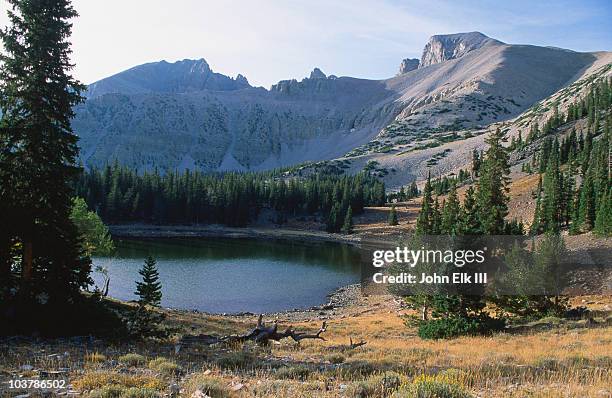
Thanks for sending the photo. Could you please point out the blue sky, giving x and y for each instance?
(268, 40)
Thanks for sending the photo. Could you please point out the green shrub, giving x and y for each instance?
(433, 389)
(111, 391)
(136, 392)
(445, 328)
(434, 386)
(132, 359)
(293, 372)
(164, 366)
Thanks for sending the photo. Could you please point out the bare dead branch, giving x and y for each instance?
(262, 334)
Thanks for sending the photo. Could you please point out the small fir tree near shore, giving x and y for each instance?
(149, 290)
(145, 322)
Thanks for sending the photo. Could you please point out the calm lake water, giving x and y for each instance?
(234, 275)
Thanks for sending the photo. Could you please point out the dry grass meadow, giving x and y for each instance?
(550, 358)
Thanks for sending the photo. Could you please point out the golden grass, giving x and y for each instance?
(570, 361)
(95, 357)
(96, 380)
(558, 362)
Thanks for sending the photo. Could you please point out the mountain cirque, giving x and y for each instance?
(183, 115)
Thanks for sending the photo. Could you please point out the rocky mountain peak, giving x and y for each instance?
(240, 79)
(407, 65)
(182, 76)
(317, 74)
(441, 48)
(195, 65)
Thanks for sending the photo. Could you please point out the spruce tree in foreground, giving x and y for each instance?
(39, 148)
(149, 290)
(393, 216)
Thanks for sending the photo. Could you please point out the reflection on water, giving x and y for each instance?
(234, 275)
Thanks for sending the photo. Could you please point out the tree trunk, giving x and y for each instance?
(424, 312)
(106, 283)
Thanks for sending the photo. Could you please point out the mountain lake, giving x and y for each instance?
(224, 275)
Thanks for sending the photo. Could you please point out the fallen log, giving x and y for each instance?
(261, 334)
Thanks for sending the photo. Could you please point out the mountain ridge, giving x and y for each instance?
(184, 115)
(157, 77)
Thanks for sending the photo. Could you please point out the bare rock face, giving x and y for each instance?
(441, 48)
(407, 65)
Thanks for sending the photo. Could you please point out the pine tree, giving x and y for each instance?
(347, 227)
(575, 226)
(585, 159)
(492, 194)
(149, 290)
(425, 218)
(39, 148)
(436, 218)
(332, 218)
(536, 225)
(586, 207)
(551, 196)
(413, 190)
(393, 216)
(452, 213)
(569, 186)
(401, 195)
(469, 217)
(603, 219)
(601, 159)
(476, 162)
